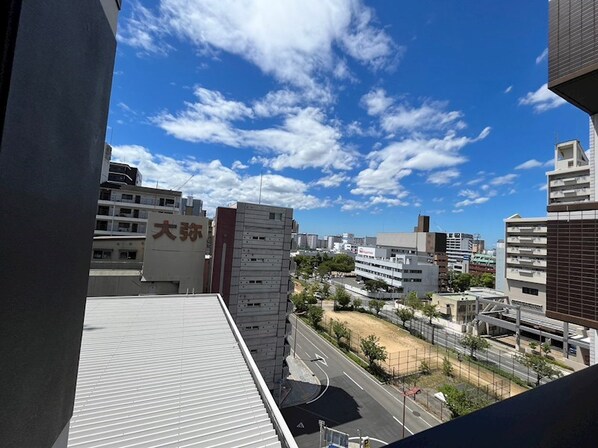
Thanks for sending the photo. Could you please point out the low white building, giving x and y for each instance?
(406, 272)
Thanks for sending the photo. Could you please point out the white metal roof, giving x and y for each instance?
(167, 371)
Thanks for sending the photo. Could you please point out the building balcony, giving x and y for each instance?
(570, 181)
(570, 193)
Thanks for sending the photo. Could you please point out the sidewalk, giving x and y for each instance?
(301, 384)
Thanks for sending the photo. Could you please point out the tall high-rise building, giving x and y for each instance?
(312, 241)
(250, 269)
(56, 68)
(572, 260)
(459, 249)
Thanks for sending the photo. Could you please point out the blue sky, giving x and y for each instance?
(359, 115)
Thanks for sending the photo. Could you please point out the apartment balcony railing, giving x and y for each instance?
(570, 181)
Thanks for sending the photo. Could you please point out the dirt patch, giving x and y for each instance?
(406, 352)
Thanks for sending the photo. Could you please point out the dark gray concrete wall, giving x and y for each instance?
(51, 147)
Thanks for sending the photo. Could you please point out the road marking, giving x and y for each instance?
(371, 438)
(300, 348)
(353, 380)
(319, 358)
(408, 430)
(300, 425)
(325, 389)
(322, 355)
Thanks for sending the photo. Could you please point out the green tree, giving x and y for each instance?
(447, 367)
(474, 343)
(412, 301)
(487, 280)
(342, 263)
(375, 285)
(357, 303)
(405, 314)
(342, 297)
(429, 310)
(300, 302)
(340, 330)
(315, 315)
(539, 365)
(459, 282)
(462, 402)
(373, 351)
(376, 305)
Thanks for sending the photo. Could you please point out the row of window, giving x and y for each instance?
(106, 254)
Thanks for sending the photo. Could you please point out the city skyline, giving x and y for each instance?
(359, 115)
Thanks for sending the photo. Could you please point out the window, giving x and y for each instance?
(124, 226)
(277, 216)
(102, 254)
(254, 304)
(252, 327)
(530, 291)
(127, 255)
(258, 237)
(103, 210)
(127, 197)
(102, 225)
(125, 211)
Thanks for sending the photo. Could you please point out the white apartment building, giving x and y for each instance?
(312, 241)
(406, 272)
(459, 250)
(525, 262)
(330, 240)
(570, 180)
(123, 209)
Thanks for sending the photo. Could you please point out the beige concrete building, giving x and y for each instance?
(171, 259)
(570, 179)
(525, 263)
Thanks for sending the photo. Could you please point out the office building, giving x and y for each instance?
(479, 246)
(250, 269)
(405, 272)
(55, 81)
(459, 249)
(312, 241)
(482, 263)
(525, 263)
(330, 240)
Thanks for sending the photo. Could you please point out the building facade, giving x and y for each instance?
(459, 249)
(570, 179)
(572, 275)
(482, 263)
(403, 271)
(123, 209)
(250, 269)
(525, 262)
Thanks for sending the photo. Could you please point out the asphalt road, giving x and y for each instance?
(350, 399)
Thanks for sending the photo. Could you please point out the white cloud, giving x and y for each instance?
(457, 210)
(216, 184)
(508, 89)
(476, 181)
(143, 31)
(504, 180)
(469, 194)
(294, 41)
(468, 202)
(437, 199)
(390, 164)
(542, 99)
(542, 56)
(532, 163)
(332, 180)
(429, 116)
(543, 187)
(443, 177)
(305, 138)
(395, 202)
(376, 101)
(238, 165)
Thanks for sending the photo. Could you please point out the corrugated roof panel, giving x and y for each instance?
(165, 371)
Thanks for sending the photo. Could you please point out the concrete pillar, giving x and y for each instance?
(593, 346)
(566, 339)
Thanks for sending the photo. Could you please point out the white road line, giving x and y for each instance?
(371, 438)
(353, 380)
(359, 369)
(408, 430)
(325, 389)
(299, 346)
(319, 358)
